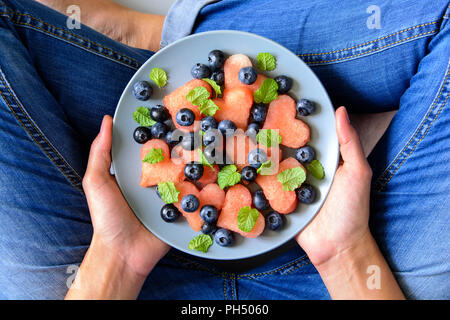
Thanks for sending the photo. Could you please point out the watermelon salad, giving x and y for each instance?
(217, 148)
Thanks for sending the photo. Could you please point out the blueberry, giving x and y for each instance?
(142, 134)
(274, 220)
(169, 213)
(190, 141)
(171, 138)
(208, 123)
(248, 75)
(216, 58)
(284, 84)
(305, 154)
(306, 193)
(258, 112)
(209, 213)
(305, 107)
(142, 90)
(208, 228)
(159, 113)
(256, 157)
(200, 71)
(227, 128)
(185, 117)
(190, 203)
(252, 130)
(223, 237)
(211, 136)
(159, 130)
(259, 200)
(218, 76)
(193, 171)
(249, 174)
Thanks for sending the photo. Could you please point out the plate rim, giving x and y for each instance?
(337, 151)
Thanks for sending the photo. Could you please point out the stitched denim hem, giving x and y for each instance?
(35, 133)
(30, 22)
(432, 114)
(371, 47)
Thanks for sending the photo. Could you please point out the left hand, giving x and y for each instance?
(116, 227)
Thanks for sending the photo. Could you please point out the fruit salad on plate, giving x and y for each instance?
(228, 150)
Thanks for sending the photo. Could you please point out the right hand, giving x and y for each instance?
(342, 222)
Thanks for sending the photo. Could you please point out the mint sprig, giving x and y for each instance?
(142, 116)
(228, 176)
(247, 218)
(316, 169)
(265, 61)
(265, 168)
(208, 107)
(214, 85)
(168, 192)
(268, 137)
(267, 92)
(203, 159)
(201, 243)
(197, 95)
(159, 76)
(291, 178)
(154, 156)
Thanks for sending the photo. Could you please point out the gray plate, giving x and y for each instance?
(177, 60)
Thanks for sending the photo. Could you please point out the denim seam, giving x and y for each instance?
(390, 45)
(388, 172)
(253, 275)
(369, 42)
(134, 64)
(28, 124)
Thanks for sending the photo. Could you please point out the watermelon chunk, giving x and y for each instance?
(163, 171)
(281, 115)
(235, 105)
(280, 200)
(236, 198)
(176, 101)
(231, 69)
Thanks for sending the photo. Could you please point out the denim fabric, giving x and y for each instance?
(56, 84)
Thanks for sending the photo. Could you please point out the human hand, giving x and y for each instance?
(342, 222)
(116, 228)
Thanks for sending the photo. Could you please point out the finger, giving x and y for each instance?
(349, 144)
(99, 157)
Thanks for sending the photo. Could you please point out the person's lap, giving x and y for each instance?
(56, 84)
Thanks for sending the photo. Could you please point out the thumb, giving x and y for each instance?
(99, 157)
(349, 144)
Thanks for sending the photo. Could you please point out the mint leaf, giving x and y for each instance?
(247, 218)
(214, 85)
(203, 159)
(265, 168)
(267, 92)
(201, 243)
(265, 61)
(316, 169)
(197, 95)
(159, 76)
(228, 176)
(292, 178)
(268, 137)
(208, 107)
(142, 116)
(154, 156)
(168, 192)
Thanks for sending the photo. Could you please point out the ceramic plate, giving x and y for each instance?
(177, 60)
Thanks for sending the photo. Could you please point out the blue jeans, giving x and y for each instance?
(57, 83)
